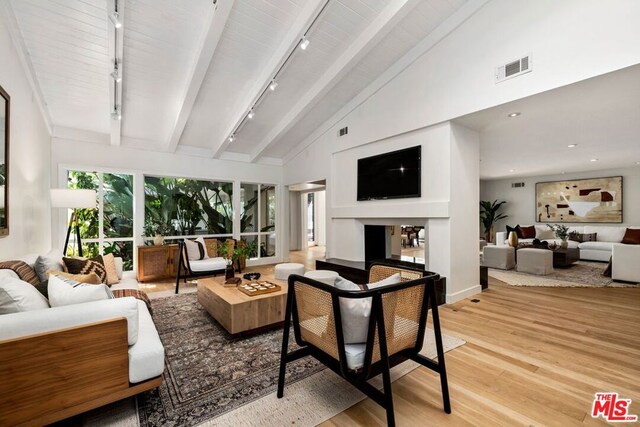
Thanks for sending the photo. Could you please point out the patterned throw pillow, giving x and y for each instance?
(195, 250)
(24, 271)
(86, 266)
(581, 237)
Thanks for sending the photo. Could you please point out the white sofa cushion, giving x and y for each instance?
(127, 281)
(63, 291)
(543, 232)
(613, 234)
(598, 246)
(51, 319)
(146, 356)
(18, 296)
(209, 264)
(625, 262)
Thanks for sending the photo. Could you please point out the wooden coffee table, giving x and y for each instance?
(565, 257)
(238, 312)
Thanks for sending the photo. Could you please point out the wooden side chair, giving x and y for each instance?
(206, 267)
(396, 329)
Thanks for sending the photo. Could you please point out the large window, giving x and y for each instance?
(258, 218)
(109, 227)
(187, 207)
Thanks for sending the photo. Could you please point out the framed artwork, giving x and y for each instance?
(580, 200)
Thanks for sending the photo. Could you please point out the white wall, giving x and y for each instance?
(569, 41)
(69, 154)
(521, 202)
(30, 153)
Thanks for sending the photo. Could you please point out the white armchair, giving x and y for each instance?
(624, 263)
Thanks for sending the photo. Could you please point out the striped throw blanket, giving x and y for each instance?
(23, 270)
(136, 293)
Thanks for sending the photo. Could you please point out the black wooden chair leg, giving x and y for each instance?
(440, 351)
(285, 344)
(388, 397)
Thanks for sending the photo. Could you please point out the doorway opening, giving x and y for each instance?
(307, 213)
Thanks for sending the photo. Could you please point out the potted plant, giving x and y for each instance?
(562, 233)
(489, 215)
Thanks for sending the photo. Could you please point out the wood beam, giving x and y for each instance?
(450, 24)
(116, 52)
(392, 14)
(289, 42)
(216, 20)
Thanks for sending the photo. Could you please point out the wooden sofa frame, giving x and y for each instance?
(54, 375)
(330, 348)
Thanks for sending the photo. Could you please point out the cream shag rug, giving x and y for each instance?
(307, 402)
(583, 274)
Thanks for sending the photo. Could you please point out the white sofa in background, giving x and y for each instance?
(110, 347)
(625, 264)
(600, 250)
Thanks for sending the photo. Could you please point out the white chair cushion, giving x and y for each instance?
(63, 291)
(599, 246)
(355, 355)
(204, 245)
(209, 264)
(18, 296)
(355, 312)
(193, 250)
(146, 356)
(51, 319)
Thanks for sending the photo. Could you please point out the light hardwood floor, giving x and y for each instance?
(534, 356)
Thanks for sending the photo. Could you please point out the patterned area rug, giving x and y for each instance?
(212, 379)
(208, 372)
(583, 274)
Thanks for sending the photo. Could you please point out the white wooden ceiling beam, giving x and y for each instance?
(116, 52)
(216, 20)
(289, 42)
(21, 49)
(380, 27)
(449, 25)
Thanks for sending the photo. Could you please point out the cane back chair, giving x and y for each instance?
(395, 333)
(186, 268)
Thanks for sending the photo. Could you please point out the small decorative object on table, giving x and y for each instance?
(228, 272)
(251, 276)
(258, 288)
(232, 282)
(562, 233)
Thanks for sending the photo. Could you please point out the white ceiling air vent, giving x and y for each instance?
(513, 69)
(517, 184)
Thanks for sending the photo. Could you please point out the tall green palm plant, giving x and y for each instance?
(489, 215)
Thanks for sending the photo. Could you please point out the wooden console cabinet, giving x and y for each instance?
(157, 262)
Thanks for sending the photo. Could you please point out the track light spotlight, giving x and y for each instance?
(273, 85)
(304, 43)
(251, 114)
(115, 20)
(231, 138)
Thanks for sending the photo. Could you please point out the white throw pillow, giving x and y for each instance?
(543, 232)
(201, 241)
(193, 250)
(355, 312)
(63, 291)
(17, 296)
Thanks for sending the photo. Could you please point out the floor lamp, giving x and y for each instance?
(73, 199)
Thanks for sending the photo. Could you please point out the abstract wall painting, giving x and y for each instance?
(580, 200)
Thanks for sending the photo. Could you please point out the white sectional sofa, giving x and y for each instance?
(600, 250)
(84, 355)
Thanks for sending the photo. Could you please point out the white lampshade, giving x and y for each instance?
(69, 198)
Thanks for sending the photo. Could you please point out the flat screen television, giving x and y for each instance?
(394, 175)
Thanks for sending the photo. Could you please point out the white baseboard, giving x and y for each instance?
(465, 293)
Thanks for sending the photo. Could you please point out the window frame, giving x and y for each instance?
(261, 234)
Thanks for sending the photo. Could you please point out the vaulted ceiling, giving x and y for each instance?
(192, 70)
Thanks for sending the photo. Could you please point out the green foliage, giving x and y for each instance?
(561, 231)
(489, 215)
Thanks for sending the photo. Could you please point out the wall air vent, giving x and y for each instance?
(513, 69)
(343, 131)
(517, 184)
